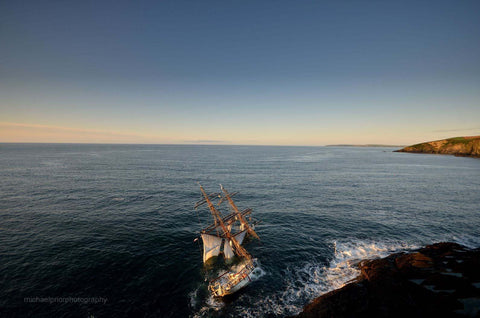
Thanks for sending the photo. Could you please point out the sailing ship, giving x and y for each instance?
(226, 236)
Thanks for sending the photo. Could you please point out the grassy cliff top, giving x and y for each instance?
(460, 146)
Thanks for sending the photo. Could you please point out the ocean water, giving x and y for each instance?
(108, 230)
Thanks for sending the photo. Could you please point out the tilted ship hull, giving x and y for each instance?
(232, 281)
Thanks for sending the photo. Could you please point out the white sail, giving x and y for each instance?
(211, 246)
(240, 236)
(227, 250)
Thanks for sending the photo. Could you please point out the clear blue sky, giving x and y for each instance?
(239, 72)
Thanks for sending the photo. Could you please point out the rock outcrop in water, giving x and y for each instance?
(459, 146)
(440, 280)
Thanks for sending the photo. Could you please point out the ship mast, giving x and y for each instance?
(218, 218)
(227, 220)
(239, 215)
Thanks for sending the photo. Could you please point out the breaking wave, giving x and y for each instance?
(310, 279)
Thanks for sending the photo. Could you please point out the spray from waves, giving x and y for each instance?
(308, 280)
(311, 279)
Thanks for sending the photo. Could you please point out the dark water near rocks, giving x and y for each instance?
(117, 222)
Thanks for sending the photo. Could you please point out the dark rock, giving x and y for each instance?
(436, 281)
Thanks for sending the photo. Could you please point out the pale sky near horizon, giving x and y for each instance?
(239, 72)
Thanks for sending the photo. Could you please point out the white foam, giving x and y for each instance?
(257, 272)
(211, 303)
(193, 295)
(306, 281)
(310, 280)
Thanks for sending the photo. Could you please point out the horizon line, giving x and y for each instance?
(197, 144)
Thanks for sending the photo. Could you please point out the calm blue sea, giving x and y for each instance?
(108, 230)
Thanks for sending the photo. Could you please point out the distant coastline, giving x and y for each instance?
(457, 146)
(367, 145)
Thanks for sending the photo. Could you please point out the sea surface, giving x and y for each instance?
(109, 230)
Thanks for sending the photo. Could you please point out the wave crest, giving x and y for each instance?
(310, 280)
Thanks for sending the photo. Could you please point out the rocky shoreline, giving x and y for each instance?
(439, 280)
(458, 146)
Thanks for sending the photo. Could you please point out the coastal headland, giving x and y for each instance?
(458, 146)
(439, 280)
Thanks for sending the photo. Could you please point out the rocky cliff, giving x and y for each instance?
(440, 280)
(459, 146)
